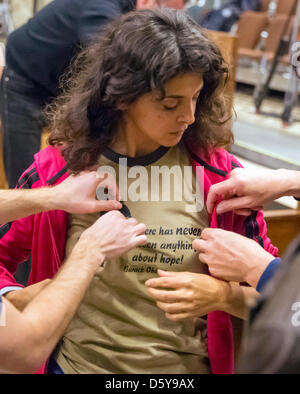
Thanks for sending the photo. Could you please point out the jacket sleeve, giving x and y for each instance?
(16, 237)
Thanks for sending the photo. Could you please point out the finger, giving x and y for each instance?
(233, 204)
(217, 191)
(247, 212)
(164, 296)
(140, 229)
(199, 245)
(212, 199)
(173, 274)
(103, 206)
(206, 233)
(243, 212)
(132, 221)
(140, 240)
(178, 316)
(203, 258)
(175, 308)
(168, 282)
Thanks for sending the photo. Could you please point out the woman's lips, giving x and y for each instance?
(180, 131)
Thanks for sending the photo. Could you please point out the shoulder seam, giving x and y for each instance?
(208, 166)
(234, 165)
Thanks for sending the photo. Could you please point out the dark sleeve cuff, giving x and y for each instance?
(268, 274)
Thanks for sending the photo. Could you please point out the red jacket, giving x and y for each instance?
(44, 236)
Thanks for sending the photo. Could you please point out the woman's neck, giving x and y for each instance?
(131, 143)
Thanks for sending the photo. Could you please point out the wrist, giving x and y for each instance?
(291, 180)
(223, 296)
(54, 199)
(45, 199)
(85, 251)
(262, 261)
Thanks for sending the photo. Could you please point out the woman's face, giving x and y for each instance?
(151, 122)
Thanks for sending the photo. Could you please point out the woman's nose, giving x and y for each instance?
(188, 115)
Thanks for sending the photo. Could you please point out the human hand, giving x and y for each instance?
(247, 190)
(192, 294)
(21, 298)
(77, 193)
(231, 256)
(111, 236)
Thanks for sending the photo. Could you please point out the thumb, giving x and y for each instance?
(109, 205)
(93, 206)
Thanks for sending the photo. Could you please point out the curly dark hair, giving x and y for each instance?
(137, 53)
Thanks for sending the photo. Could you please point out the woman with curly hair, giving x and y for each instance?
(143, 102)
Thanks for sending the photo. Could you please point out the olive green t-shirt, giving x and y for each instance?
(118, 327)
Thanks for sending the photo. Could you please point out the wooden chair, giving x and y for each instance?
(250, 27)
(282, 7)
(285, 7)
(283, 226)
(264, 5)
(228, 44)
(274, 30)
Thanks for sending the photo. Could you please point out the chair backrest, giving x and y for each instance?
(275, 32)
(285, 6)
(228, 45)
(264, 5)
(250, 26)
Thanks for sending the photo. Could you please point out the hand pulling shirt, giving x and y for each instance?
(118, 327)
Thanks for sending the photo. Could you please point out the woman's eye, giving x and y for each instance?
(167, 108)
